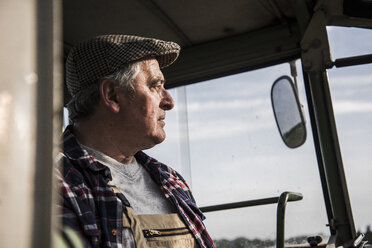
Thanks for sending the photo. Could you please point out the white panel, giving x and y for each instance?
(17, 120)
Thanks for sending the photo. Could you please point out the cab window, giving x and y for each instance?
(222, 135)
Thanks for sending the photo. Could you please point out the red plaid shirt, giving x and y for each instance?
(89, 205)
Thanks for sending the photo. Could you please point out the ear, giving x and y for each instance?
(108, 93)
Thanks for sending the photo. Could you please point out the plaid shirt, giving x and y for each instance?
(89, 205)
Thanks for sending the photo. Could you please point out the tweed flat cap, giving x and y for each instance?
(103, 55)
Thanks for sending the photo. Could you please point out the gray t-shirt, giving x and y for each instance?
(133, 180)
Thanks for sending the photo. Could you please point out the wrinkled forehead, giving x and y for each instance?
(150, 67)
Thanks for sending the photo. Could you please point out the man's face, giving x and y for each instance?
(145, 110)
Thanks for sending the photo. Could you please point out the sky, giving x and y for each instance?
(230, 150)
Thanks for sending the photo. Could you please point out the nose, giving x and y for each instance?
(166, 102)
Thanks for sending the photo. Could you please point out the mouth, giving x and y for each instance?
(161, 120)
(162, 117)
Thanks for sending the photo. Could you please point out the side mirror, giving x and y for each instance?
(287, 111)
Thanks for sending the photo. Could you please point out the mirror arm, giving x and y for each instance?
(292, 65)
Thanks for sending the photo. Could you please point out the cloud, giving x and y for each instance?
(224, 130)
(226, 105)
(352, 81)
(347, 107)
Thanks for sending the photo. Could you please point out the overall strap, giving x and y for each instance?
(129, 219)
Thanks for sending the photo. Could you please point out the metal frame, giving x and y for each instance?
(331, 169)
(280, 215)
(243, 204)
(316, 141)
(280, 212)
(350, 61)
(49, 105)
(316, 59)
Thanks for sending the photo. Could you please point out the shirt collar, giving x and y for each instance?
(74, 151)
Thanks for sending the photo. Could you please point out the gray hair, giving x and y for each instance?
(84, 102)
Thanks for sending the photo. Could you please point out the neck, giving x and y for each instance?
(99, 137)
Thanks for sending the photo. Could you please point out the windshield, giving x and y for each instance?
(222, 135)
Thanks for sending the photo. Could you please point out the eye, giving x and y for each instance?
(157, 85)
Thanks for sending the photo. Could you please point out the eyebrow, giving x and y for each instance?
(157, 79)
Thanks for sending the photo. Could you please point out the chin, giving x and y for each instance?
(159, 139)
(159, 136)
(154, 140)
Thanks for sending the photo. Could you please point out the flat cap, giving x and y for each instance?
(100, 56)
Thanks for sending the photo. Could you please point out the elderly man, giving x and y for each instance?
(113, 193)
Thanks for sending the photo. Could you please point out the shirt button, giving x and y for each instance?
(114, 232)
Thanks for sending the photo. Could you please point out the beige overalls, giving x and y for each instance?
(157, 230)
